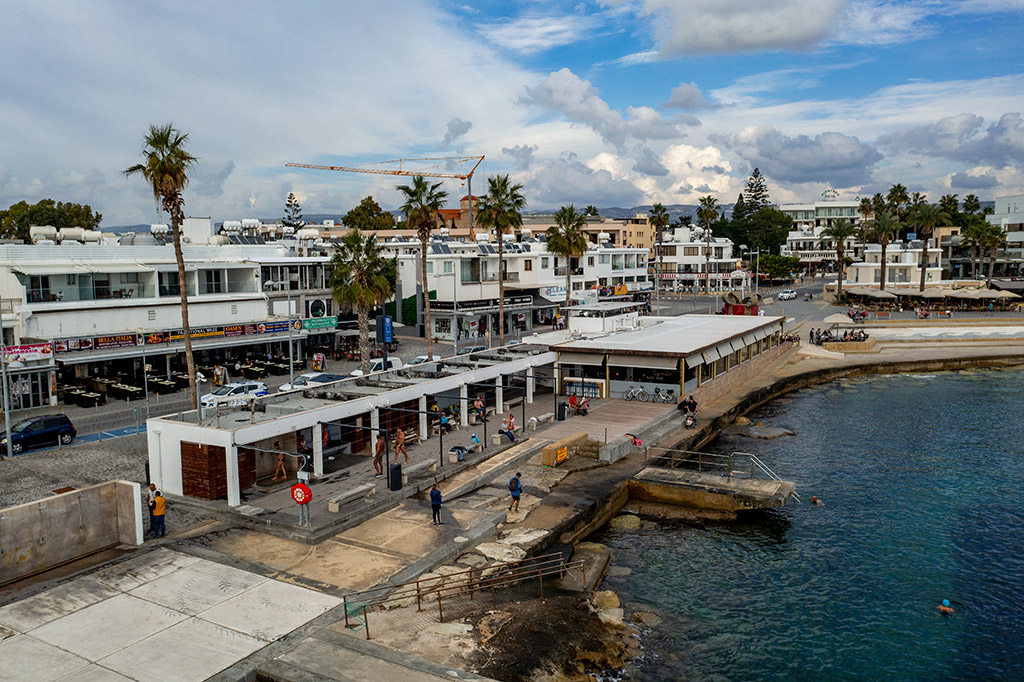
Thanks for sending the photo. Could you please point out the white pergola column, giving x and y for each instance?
(424, 425)
(231, 460)
(463, 403)
(374, 424)
(318, 449)
(530, 382)
(499, 396)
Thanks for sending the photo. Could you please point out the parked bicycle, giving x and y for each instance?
(668, 396)
(636, 393)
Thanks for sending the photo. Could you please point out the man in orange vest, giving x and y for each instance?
(159, 509)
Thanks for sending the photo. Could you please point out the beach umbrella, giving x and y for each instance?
(986, 293)
(1007, 294)
(962, 293)
(837, 318)
(935, 293)
(859, 291)
(873, 293)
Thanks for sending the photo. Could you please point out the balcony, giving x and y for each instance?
(94, 293)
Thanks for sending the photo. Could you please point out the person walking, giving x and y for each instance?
(515, 489)
(378, 456)
(400, 445)
(280, 470)
(150, 502)
(435, 505)
(159, 509)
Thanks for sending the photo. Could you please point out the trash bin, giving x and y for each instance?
(395, 478)
(563, 408)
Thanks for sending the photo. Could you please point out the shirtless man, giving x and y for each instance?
(378, 456)
(400, 445)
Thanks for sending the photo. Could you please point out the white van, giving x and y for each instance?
(377, 365)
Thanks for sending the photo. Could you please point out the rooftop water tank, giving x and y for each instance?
(526, 232)
(483, 237)
(307, 233)
(71, 234)
(159, 228)
(250, 224)
(92, 236)
(287, 230)
(232, 226)
(220, 240)
(603, 237)
(38, 232)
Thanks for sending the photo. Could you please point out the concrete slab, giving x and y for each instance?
(337, 663)
(405, 531)
(195, 588)
(42, 608)
(270, 610)
(94, 673)
(128, 575)
(26, 659)
(190, 651)
(103, 628)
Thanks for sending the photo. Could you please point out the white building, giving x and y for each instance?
(1009, 214)
(684, 261)
(822, 214)
(807, 244)
(903, 265)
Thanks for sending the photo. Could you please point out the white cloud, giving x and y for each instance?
(964, 138)
(456, 130)
(568, 180)
(535, 33)
(521, 155)
(688, 96)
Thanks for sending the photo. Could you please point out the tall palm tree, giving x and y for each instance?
(950, 203)
(897, 198)
(992, 238)
(165, 167)
(501, 210)
(658, 219)
(882, 230)
(568, 239)
(837, 234)
(926, 218)
(866, 209)
(422, 209)
(878, 203)
(361, 278)
(971, 236)
(972, 204)
(707, 214)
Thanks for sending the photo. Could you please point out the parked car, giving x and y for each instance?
(377, 365)
(235, 393)
(420, 359)
(40, 431)
(787, 295)
(472, 349)
(311, 378)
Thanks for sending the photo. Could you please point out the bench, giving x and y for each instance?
(418, 467)
(436, 428)
(882, 314)
(498, 438)
(474, 418)
(509, 404)
(548, 418)
(366, 491)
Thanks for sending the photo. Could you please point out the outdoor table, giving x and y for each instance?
(91, 399)
(73, 396)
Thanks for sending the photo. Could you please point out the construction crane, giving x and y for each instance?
(442, 162)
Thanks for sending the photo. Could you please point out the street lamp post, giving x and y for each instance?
(291, 349)
(455, 310)
(757, 266)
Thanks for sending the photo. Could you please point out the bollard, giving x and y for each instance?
(440, 612)
(366, 622)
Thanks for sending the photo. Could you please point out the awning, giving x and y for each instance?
(580, 358)
(55, 269)
(749, 339)
(118, 267)
(737, 344)
(694, 360)
(542, 302)
(760, 333)
(172, 267)
(710, 356)
(724, 349)
(649, 361)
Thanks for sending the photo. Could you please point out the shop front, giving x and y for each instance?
(31, 378)
(477, 321)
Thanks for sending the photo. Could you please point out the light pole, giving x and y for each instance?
(455, 310)
(7, 393)
(291, 349)
(757, 267)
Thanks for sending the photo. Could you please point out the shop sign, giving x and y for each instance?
(33, 351)
(116, 341)
(621, 290)
(277, 327)
(320, 322)
(552, 292)
(62, 345)
(483, 304)
(239, 329)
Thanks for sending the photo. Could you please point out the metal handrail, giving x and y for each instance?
(715, 461)
(756, 461)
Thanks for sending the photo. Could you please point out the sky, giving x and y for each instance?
(608, 102)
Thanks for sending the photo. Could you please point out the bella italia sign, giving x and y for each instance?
(320, 322)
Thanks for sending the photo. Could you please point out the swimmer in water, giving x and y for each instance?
(944, 607)
(816, 502)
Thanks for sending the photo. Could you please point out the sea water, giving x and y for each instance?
(922, 477)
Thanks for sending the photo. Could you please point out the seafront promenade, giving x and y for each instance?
(148, 597)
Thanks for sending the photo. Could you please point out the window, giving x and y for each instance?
(604, 259)
(590, 261)
(129, 278)
(72, 280)
(527, 265)
(690, 251)
(449, 267)
(544, 261)
(430, 267)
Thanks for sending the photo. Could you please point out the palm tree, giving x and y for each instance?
(707, 213)
(992, 238)
(166, 167)
(658, 219)
(882, 230)
(502, 210)
(837, 234)
(591, 210)
(971, 204)
(878, 203)
(361, 278)
(866, 209)
(568, 239)
(926, 218)
(422, 208)
(971, 236)
(950, 203)
(897, 198)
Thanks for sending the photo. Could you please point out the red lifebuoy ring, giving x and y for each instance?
(301, 493)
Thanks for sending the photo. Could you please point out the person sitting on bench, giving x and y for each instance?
(509, 427)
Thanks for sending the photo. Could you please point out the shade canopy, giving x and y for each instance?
(874, 293)
(935, 293)
(837, 318)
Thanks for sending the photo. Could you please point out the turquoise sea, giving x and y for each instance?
(923, 482)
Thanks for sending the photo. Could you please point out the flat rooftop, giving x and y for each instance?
(673, 336)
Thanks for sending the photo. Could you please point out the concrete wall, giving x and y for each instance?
(54, 530)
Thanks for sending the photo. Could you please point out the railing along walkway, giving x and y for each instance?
(425, 590)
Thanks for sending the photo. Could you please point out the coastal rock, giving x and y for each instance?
(523, 536)
(398, 603)
(499, 552)
(491, 624)
(604, 599)
(593, 547)
(472, 560)
(446, 571)
(625, 522)
(646, 618)
(611, 617)
(429, 580)
(741, 421)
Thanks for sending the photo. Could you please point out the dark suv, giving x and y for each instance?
(37, 432)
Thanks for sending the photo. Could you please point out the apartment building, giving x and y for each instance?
(684, 263)
(903, 265)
